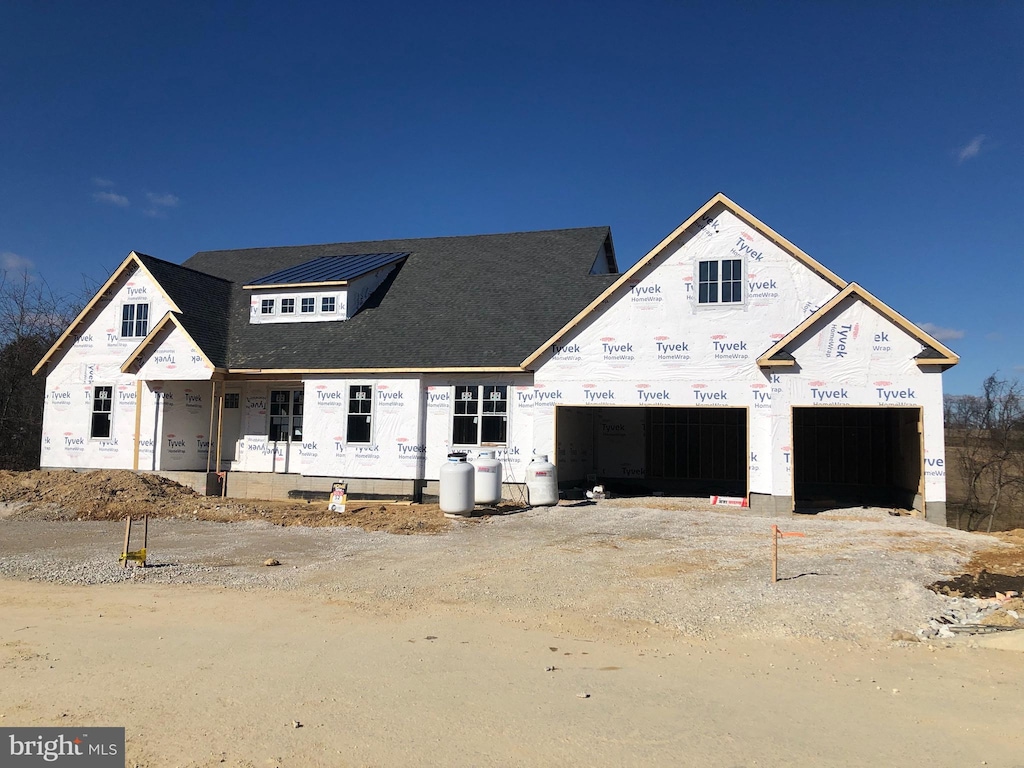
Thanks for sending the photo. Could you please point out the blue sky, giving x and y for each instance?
(883, 139)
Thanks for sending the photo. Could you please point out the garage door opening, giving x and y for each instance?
(856, 456)
(675, 451)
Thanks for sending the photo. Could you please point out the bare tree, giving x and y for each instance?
(986, 436)
(32, 316)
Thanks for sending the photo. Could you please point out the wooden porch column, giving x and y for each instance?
(138, 423)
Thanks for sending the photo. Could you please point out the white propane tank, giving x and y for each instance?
(487, 482)
(541, 482)
(456, 486)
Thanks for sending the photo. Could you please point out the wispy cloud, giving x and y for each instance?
(12, 262)
(159, 204)
(167, 201)
(111, 198)
(971, 149)
(940, 333)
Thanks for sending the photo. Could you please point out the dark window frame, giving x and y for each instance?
(287, 408)
(359, 418)
(720, 282)
(480, 415)
(102, 412)
(135, 320)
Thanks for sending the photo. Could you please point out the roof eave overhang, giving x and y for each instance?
(767, 362)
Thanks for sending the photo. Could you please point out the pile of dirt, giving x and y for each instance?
(998, 569)
(982, 584)
(115, 494)
(99, 495)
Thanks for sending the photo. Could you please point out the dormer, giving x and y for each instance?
(321, 290)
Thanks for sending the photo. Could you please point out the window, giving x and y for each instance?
(720, 282)
(267, 307)
(287, 306)
(360, 413)
(102, 411)
(481, 415)
(231, 399)
(286, 415)
(134, 320)
(308, 305)
(327, 304)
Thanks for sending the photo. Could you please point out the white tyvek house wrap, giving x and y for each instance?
(439, 407)
(182, 424)
(400, 448)
(174, 357)
(652, 344)
(653, 329)
(394, 450)
(95, 358)
(856, 356)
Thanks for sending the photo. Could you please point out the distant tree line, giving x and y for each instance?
(32, 317)
(985, 455)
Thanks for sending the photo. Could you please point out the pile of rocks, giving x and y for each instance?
(970, 615)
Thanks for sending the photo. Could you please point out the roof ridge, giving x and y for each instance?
(604, 227)
(144, 257)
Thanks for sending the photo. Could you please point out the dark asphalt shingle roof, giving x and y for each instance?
(204, 301)
(472, 301)
(330, 269)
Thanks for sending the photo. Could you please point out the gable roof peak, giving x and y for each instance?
(719, 198)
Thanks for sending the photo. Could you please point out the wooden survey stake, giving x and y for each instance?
(776, 534)
(138, 557)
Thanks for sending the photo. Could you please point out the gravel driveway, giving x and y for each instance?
(679, 564)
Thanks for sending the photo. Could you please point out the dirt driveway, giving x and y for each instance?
(625, 633)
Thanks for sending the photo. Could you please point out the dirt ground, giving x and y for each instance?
(629, 633)
(203, 678)
(114, 494)
(992, 571)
